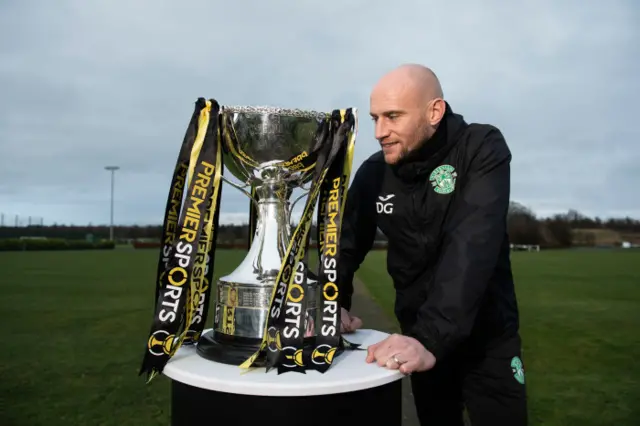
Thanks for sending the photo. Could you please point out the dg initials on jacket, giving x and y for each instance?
(383, 205)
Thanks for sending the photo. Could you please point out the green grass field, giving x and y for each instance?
(580, 321)
(76, 324)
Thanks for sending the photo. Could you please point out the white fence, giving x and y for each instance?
(525, 247)
(20, 221)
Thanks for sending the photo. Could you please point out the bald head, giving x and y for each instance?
(421, 82)
(407, 105)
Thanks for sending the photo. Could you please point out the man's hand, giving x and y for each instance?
(401, 352)
(349, 323)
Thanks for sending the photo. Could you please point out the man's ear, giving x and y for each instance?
(436, 111)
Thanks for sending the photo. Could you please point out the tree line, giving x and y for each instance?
(568, 229)
(524, 227)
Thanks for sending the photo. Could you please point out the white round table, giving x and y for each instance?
(350, 392)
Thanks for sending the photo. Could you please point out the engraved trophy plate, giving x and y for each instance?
(270, 150)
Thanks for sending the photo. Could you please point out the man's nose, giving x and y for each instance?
(381, 130)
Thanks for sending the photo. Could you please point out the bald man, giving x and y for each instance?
(439, 190)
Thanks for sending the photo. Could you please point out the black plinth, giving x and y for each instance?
(192, 406)
(352, 392)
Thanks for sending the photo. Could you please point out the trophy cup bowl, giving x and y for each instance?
(271, 151)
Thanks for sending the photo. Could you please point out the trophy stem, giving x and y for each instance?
(271, 236)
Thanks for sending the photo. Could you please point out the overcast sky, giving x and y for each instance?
(85, 84)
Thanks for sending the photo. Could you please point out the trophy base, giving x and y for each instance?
(236, 350)
(226, 350)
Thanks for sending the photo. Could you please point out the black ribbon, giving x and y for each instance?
(284, 334)
(178, 295)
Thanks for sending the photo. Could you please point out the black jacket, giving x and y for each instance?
(448, 251)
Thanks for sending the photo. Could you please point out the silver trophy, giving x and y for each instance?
(270, 150)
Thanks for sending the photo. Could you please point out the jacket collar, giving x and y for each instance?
(433, 150)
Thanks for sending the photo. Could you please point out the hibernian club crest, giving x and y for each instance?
(443, 179)
(517, 369)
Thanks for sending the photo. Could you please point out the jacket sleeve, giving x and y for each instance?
(358, 233)
(471, 244)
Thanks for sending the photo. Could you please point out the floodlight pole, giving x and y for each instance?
(112, 169)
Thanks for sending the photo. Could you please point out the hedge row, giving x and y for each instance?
(156, 245)
(231, 246)
(52, 244)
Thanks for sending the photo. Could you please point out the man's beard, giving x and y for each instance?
(405, 155)
(402, 156)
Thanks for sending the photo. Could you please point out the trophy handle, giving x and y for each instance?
(241, 188)
(308, 190)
